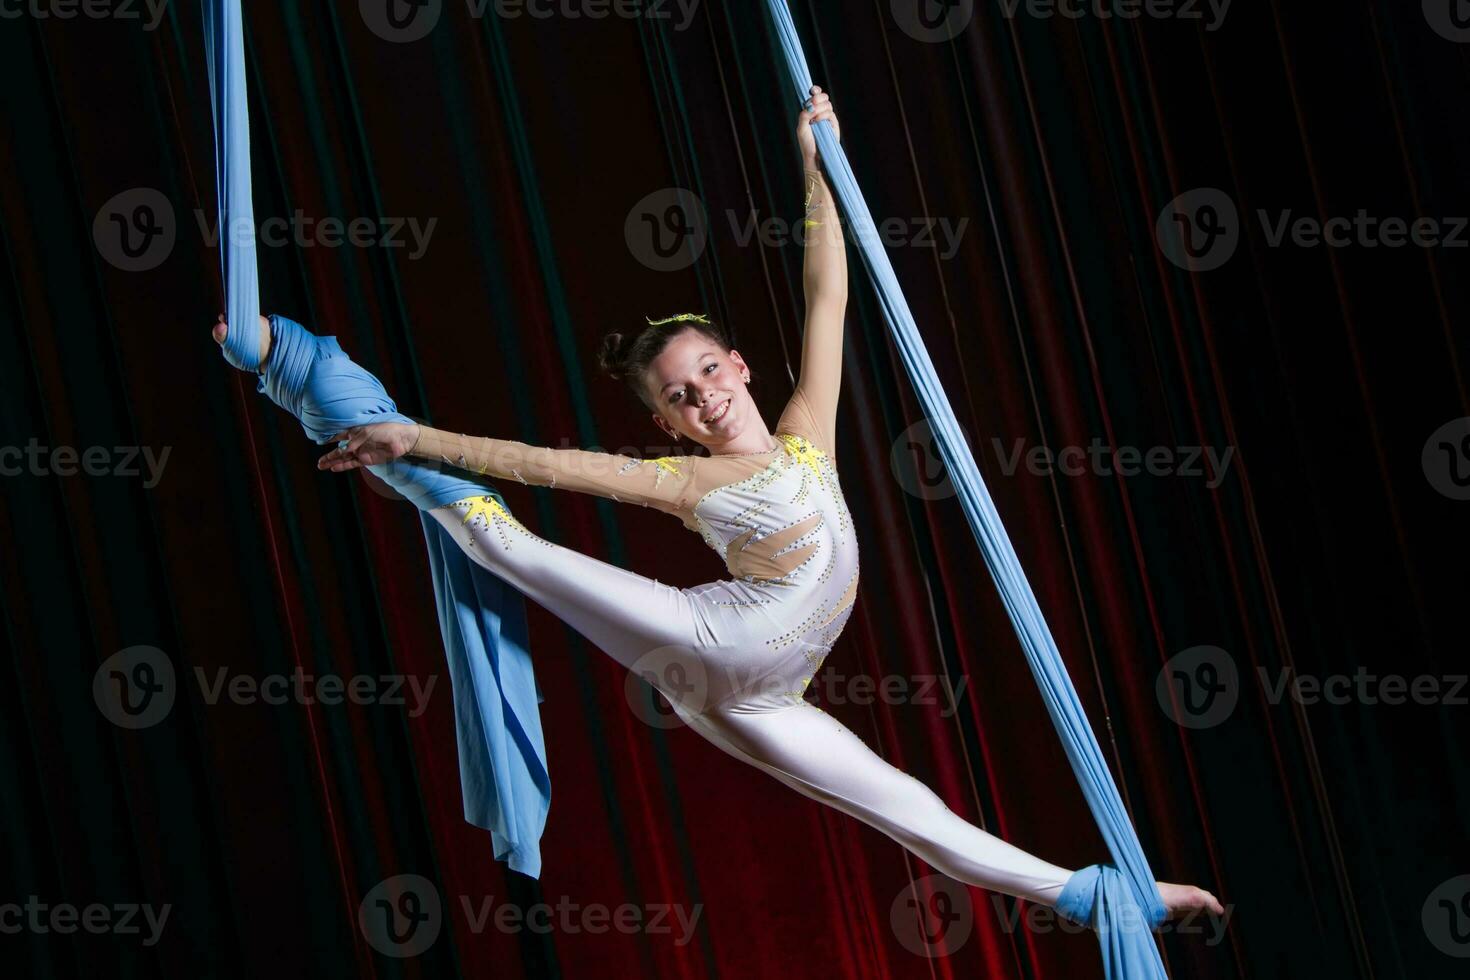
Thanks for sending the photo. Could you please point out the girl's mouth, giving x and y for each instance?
(718, 413)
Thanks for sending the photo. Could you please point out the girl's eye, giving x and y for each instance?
(680, 394)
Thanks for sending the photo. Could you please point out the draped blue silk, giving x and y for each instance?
(1122, 903)
(502, 756)
(224, 38)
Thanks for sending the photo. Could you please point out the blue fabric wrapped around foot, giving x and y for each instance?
(1102, 898)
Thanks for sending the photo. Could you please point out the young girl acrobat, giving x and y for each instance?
(770, 503)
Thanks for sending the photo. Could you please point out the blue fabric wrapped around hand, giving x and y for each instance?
(502, 755)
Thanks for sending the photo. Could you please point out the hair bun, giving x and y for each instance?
(611, 357)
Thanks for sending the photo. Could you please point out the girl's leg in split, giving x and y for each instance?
(626, 615)
(819, 757)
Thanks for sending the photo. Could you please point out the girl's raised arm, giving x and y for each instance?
(824, 276)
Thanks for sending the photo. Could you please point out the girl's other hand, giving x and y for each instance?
(368, 445)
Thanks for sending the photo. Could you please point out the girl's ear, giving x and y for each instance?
(740, 364)
(659, 421)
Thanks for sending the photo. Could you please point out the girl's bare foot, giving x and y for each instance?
(1187, 898)
(221, 329)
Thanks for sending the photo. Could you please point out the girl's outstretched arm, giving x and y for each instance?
(664, 483)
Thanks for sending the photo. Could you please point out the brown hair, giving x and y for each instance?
(625, 357)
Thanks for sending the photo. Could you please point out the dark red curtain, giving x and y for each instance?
(509, 167)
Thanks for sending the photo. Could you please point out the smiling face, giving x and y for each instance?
(699, 391)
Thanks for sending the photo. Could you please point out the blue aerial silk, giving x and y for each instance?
(502, 756)
(1122, 905)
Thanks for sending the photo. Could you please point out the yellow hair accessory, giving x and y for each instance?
(679, 318)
